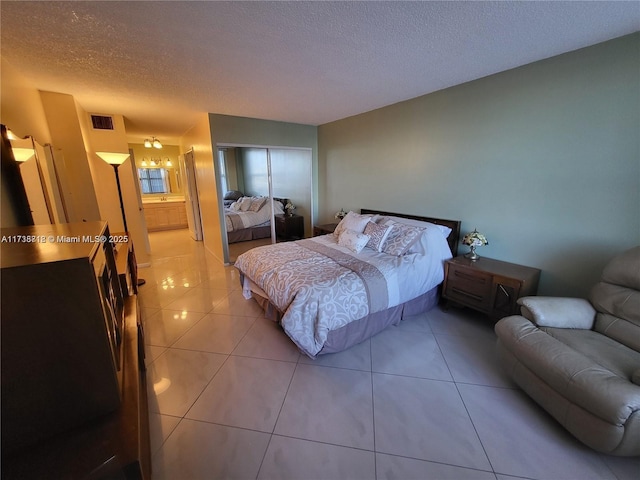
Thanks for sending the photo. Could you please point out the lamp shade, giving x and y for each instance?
(147, 143)
(475, 239)
(156, 143)
(113, 158)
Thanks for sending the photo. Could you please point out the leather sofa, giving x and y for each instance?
(580, 360)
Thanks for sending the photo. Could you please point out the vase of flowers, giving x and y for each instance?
(289, 208)
(340, 215)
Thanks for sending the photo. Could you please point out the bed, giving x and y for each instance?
(333, 291)
(249, 218)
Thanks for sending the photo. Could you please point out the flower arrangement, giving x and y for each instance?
(290, 208)
(340, 215)
(473, 240)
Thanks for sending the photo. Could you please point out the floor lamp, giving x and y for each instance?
(115, 160)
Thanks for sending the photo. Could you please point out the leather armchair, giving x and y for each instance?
(580, 360)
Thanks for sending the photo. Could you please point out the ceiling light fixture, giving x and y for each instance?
(154, 142)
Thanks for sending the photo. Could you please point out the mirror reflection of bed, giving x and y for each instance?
(248, 175)
(248, 220)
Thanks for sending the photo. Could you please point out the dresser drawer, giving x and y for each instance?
(468, 286)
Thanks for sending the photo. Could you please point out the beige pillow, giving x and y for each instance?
(353, 240)
(378, 234)
(352, 221)
(401, 238)
(257, 203)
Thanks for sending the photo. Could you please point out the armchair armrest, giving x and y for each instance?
(559, 312)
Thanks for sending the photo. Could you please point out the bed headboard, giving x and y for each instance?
(454, 225)
(283, 201)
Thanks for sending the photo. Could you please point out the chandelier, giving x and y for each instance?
(154, 142)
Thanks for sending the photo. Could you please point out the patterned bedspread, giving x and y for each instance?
(317, 288)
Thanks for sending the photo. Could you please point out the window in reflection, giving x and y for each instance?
(153, 180)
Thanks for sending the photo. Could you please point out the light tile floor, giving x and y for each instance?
(231, 397)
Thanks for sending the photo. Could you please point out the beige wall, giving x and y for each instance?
(106, 187)
(22, 109)
(198, 138)
(66, 134)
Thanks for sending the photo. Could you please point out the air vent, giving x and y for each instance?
(102, 122)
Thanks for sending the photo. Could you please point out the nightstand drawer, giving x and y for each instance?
(467, 298)
(490, 286)
(467, 286)
(468, 280)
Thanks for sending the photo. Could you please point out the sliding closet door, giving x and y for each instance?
(246, 170)
(291, 170)
(270, 172)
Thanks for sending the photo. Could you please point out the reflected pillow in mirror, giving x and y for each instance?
(257, 203)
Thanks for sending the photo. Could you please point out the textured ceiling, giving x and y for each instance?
(160, 63)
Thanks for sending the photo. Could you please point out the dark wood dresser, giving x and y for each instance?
(71, 341)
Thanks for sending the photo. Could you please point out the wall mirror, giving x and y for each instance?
(159, 173)
(42, 171)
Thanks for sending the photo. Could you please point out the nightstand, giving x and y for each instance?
(289, 227)
(324, 229)
(487, 285)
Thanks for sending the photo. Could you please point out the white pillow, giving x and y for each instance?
(244, 204)
(378, 234)
(419, 223)
(353, 240)
(352, 221)
(431, 243)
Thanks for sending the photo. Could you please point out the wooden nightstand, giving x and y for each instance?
(324, 229)
(289, 227)
(487, 285)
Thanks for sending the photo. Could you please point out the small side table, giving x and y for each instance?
(487, 285)
(324, 229)
(289, 227)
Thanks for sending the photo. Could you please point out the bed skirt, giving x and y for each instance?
(364, 328)
(251, 233)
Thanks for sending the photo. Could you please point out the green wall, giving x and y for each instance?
(543, 159)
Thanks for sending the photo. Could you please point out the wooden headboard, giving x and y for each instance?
(453, 239)
(283, 201)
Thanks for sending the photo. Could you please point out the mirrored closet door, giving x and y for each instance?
(267, 195)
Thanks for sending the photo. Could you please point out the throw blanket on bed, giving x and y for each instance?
(318, 288)
(234, 221)
(239, 220)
